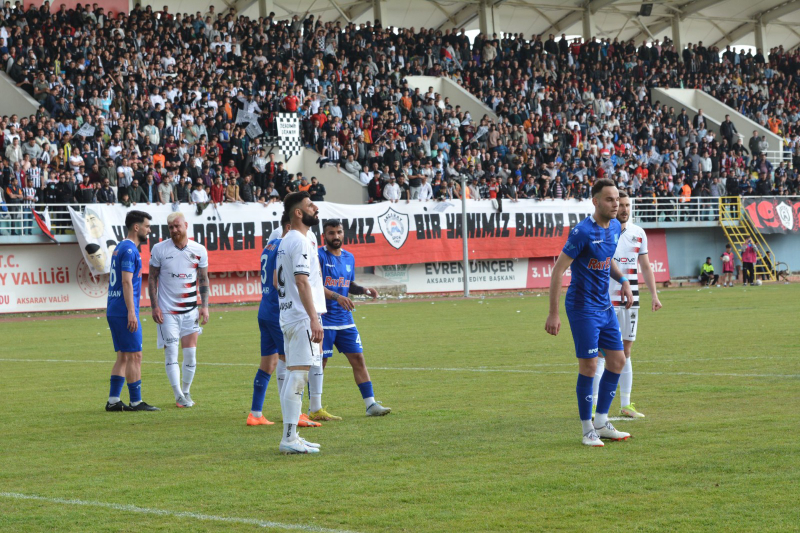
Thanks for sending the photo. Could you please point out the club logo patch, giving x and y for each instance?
(785, 214)
(394, 226)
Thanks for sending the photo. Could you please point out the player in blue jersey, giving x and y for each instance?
(122, 312)
(272, 353)
(338, 276)
(590, 250)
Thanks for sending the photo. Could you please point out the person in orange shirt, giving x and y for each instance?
(304, 185)
(159, 157)
(405, 102)
(775, 124)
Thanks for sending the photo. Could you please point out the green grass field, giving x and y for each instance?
(484, 435)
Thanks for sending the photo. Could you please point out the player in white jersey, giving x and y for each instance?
(631, 256)
(301, 298)
(178, 274)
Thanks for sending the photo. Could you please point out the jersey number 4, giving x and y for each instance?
(112, 279)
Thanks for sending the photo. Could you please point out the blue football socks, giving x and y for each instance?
(584, 392)
(135, 390)
(116, 388)
(605, 395)
(366, 389)
(260, 384)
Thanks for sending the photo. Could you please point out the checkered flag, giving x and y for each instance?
(289, 139)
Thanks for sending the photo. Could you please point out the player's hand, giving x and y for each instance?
(203, 316)
(553, 324)
(372, 293)
(133, 322)
(317, 333)
(628, 292)
(346, 303)
(158, 317)
(656, 303)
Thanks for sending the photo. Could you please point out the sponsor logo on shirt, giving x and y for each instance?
(336, 282)
(597, 264)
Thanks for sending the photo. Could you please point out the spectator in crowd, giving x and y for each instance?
(317, 190)
(707, 276)
(391, 192)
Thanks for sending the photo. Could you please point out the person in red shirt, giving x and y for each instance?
(218, 191)
(291, 102)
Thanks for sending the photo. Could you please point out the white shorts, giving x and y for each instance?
(628, 322)
(176, 327)
(297, 345)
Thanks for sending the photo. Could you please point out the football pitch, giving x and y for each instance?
(484, 434)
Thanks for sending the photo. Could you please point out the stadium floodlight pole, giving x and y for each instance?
(464, 234)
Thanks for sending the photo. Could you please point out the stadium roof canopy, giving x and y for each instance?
(714, 22)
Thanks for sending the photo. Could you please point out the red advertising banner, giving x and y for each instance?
(774, 214)
(541, 269)
(377, 234)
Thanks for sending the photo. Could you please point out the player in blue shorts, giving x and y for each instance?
(122, 312)
(338, 276)
(590, 250)
(272, 353)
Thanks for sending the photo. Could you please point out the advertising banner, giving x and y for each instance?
(776, 214)
(35, 278)
(377, 234)
(504, 274)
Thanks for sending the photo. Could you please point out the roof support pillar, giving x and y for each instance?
(759, 36)
(676, 36)
(485, 18)
(265, 7)
(588, 25)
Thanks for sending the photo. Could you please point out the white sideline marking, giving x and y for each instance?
(175, 514)
(443, 369)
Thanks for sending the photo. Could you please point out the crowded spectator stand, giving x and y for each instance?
(153, 98)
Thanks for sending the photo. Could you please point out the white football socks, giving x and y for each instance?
(587, 426)
(315, 377)
(280, 374)
(600, 420)
(173, 370)
(601, 366)
(626, 383)
(189, 364)
(292, 403)
(369, 401)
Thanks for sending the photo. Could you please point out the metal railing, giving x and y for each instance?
(19, 221)
(676, 211)
(779, 156)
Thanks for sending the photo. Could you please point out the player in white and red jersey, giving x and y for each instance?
(178, 274)
(631, 256)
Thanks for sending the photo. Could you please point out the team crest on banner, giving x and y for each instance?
(785, 214)
(394, 226)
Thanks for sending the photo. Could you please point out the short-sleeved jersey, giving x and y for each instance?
(268, 310)
(125, 258)
(298, 255)
(338, 272)
(177, 281)
(592, 248)
(632, 244)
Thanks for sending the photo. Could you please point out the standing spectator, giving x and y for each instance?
(755, 145)
(217, 191)
(707, 276)
(14, 200)
(727, 266)
(232, 192)
(28, 200)
(391, 192)
(317, 190)
(727, 129)
(425, 190)
(106, 193)
(246, 189)
(165, 192)
(749, 257)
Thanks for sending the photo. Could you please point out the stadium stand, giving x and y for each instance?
(143, 108)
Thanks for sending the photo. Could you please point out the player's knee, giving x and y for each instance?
(297, 381)
(357, 361)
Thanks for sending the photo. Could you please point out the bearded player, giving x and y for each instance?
(631, 256)
(122, 312)
(589, 250)
(178, 273)
(338, 272)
